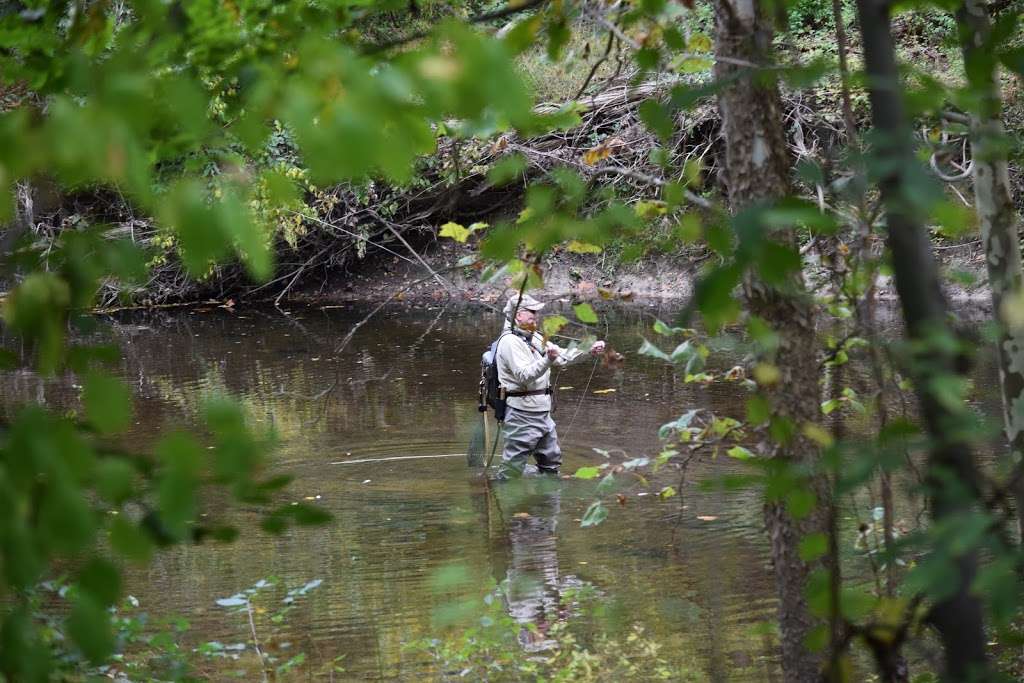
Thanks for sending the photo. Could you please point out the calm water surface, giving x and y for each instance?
(697, 578)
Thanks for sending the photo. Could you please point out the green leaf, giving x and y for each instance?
(800, 502)
(89, 627)
(758, 410)
(507, 169)
(100, 579)
(777, 262)
(553, 324)
(813, 546)
(587, 472)
(594, 515)
(66, 521)
(309, 515)
(585, 313)
(197, 226)
(176, 493)
(649, 349)
(108, 404)
(114, 479)
(715, 296)
(656, 118)
(740, 453)
(130, 541)
(606, 484)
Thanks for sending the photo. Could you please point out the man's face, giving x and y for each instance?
(526, 320)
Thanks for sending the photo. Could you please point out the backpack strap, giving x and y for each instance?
(519, 394)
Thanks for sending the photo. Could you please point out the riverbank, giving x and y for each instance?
(593, 277)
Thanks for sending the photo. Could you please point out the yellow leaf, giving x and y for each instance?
(522, 515)
(602, 151)
(818, 434)
(605, 391)
(767, 374)
(649, 210)
(583, 247)
(699, 42)
(707, 518)
(552, 324)
(455, 231)
(592, 156)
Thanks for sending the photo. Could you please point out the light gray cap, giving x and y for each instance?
(528, 303)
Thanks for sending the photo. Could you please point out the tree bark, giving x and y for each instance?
(952, 476)
(997, 218)
(757, 169)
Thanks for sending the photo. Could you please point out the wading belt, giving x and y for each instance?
(535, 392)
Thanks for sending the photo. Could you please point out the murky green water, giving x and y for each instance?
(692, 569)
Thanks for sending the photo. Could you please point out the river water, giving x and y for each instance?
(416, 543)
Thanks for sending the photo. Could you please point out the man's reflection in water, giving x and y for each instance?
(527, 564)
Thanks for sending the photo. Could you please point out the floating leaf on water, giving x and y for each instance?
(522, 515)
(707, 518)
(635, 462)
(595, 514)
(565, 388)
(605, 391)
(587, 472)
(233, 601)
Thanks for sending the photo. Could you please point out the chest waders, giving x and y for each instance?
(494, 395)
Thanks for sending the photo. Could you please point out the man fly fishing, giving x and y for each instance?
(524, 361)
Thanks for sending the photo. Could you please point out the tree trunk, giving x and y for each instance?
(993, 198)
(757, 169)
(958, 617)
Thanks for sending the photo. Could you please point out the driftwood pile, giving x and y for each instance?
(610, 146)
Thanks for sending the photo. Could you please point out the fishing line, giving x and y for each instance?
(398, 457)
(582, 396)
(587, 387)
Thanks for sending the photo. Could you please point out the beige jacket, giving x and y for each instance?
(525, 366)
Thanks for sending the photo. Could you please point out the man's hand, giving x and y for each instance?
(597, 349)
(553, 353)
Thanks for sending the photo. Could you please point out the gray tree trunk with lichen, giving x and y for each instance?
(757, 169)
(997, 219)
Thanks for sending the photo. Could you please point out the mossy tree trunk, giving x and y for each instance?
(997, 218)
(757, 171)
